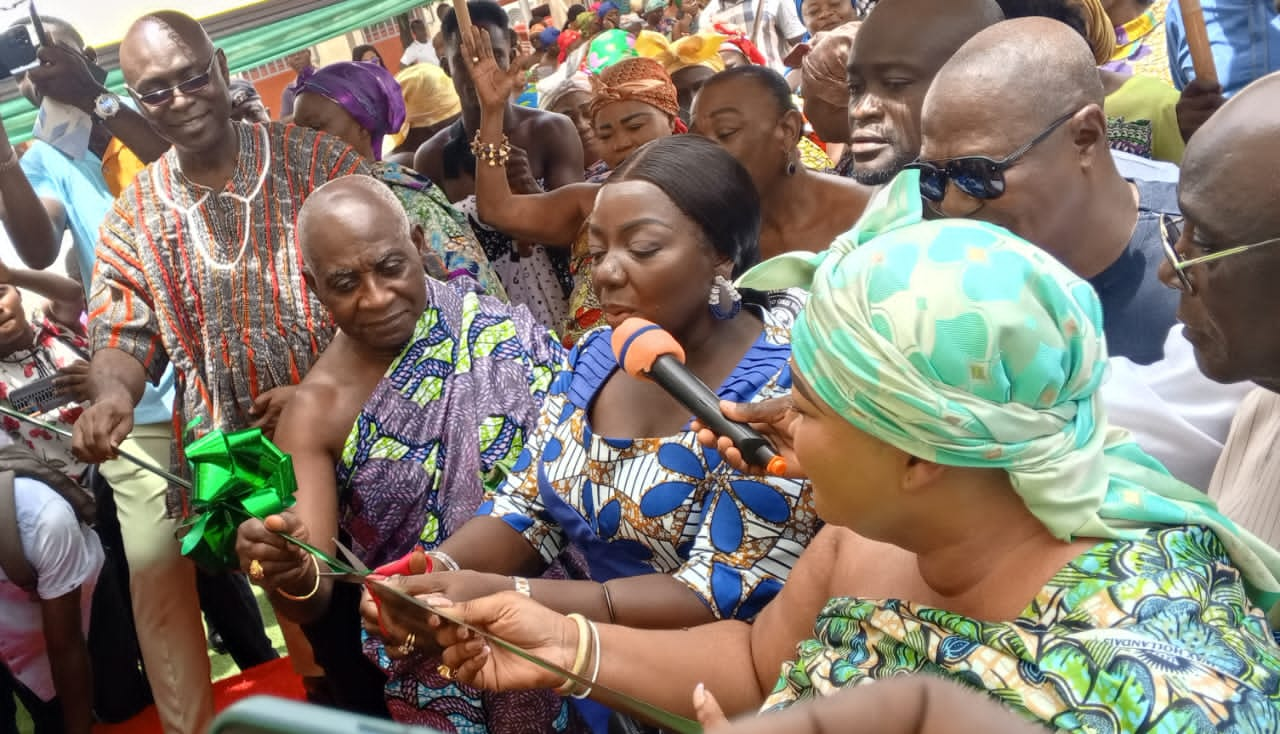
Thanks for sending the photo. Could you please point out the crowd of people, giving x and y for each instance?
(987, 274)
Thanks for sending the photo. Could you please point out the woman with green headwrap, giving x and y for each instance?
(1000, 533)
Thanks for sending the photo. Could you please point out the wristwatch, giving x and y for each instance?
(106, 106)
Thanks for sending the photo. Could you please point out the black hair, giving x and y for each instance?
(361, 50)
(770, 80)
(709, 185)
(483, 12)
(1060, 10)
(50, 22)
(573, 12)
(417, 21)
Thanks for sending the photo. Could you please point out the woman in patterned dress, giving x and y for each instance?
(1000, 534)
(671, 535)
(361, 103)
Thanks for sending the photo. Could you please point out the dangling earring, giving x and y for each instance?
(725, 300)
(791, 168)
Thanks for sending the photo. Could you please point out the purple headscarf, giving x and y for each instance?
(366, 91)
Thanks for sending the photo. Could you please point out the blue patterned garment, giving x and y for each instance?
(662, 505)
(438, 432)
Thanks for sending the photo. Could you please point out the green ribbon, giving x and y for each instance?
(235, 476)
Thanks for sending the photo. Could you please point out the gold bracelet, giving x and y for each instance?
(608, 602)
(445, 560)
(315, 564)
(580, 656)
(495, 154)
(595, 669)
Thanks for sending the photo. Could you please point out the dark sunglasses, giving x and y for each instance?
(190, 86)
(977, 176)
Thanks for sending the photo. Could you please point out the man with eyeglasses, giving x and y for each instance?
(51, 192)
(1014, 134)
(1224, 262)
(197, 267)
(1036, 161)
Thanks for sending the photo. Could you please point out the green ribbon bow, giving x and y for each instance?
(235, 476)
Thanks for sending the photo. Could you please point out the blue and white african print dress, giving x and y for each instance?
(662, 505)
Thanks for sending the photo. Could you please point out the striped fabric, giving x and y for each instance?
(1246, 482)
(781, 22)
(213, 282)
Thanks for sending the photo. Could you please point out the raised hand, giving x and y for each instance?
(66, 76)
(493, 84)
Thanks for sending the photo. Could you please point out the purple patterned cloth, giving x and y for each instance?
(438, 432)
(367, 92)
(444, 424)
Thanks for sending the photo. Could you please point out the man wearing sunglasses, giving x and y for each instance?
(1224, 262)
(198, 268)
(51, 193)
(1014, 134)
(1035, 160)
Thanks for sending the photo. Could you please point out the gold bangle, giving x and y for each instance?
(445, 560)
(580, 656)
(595, 669)
(608, 602)
(315, 564)
(495, 154)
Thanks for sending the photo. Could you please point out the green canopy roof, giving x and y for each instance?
(253, 47)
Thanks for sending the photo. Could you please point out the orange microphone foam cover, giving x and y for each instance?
(637, 343)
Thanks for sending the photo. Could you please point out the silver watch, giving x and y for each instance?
(106, 106)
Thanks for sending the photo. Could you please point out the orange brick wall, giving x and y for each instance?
(390, 50)
(271, 89)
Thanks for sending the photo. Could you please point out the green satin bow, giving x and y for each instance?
(235, 476)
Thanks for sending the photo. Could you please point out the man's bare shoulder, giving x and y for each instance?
(530, 124)
(328, 399)
(429, 158)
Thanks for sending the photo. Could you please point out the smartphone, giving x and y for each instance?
(37, 25)
(17, 52)
(267, 715)
(39, 397)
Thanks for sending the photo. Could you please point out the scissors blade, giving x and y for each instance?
(351, 558)
(407, 610)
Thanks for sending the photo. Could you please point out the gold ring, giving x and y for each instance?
(445, 672)
(406, 647)
(255, 570)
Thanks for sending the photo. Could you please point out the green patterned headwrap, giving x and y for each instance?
(960, 343)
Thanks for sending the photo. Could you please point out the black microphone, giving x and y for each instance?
(645, 350)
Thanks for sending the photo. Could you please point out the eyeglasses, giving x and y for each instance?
(190, 86)
(976, 175)
(1171, 233)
